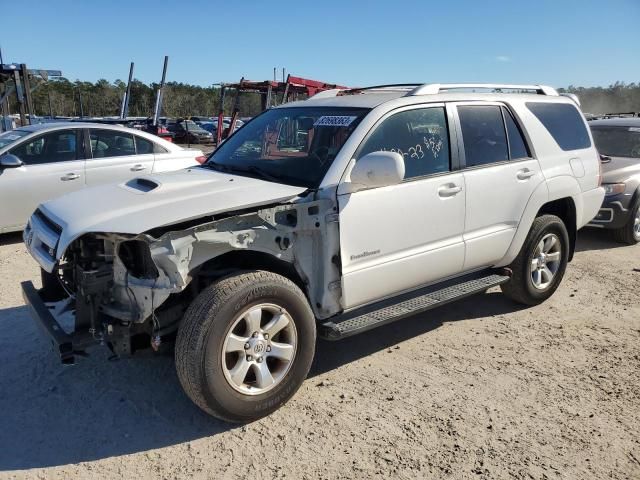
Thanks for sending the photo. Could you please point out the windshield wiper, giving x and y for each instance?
(252, 169)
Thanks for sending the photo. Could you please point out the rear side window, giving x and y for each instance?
(563, 122)
(143, 146)
(111, 143)
(159, 149)
(419, 135)
(485, 139)
(517, 145)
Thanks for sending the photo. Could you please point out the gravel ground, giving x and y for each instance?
(477, 389)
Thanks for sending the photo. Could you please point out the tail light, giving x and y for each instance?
(201, 159)
(600, 173)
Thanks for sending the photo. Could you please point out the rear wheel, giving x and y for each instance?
(540, 265)
(630, 233)
(245, 345)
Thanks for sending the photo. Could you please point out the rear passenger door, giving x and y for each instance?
(114, 157)
(500, 176)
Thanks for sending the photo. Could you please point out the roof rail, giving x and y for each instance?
(433, 88)
(327, 93)
(388, 86)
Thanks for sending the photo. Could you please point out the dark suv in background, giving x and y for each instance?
(618, 141)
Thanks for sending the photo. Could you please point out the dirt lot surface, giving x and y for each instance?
(478, 389)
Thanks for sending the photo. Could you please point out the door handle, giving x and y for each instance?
(138, 167)
(70, 176)
(449, 190)
(525, 174)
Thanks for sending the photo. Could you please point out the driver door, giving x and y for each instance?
(401, 237)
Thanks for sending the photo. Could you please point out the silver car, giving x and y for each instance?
(41, 162)
(618, 141)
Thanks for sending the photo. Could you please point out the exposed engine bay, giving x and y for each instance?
(131, 291)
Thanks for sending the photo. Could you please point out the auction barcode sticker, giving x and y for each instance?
(334, 121)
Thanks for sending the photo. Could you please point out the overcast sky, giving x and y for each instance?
(352, 43)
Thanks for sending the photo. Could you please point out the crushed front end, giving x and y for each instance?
(130, 291)
(97, 292)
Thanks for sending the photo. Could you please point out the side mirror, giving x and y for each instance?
(10, 161)
(377, 169)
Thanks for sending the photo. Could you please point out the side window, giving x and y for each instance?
(517, 145)
(484, 136)
(111, 143)
(143, 146)
(58, 146)
(420, 136)
(563, 122)
(159, 149)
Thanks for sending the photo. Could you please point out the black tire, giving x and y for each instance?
(205, 326)
(520, 288)
(627, 233)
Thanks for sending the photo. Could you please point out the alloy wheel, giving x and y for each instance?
(546, 261)
(259, 349)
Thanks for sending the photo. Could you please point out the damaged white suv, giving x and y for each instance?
(326, 217)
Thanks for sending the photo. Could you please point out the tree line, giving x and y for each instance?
(616, 98)
(61, 97)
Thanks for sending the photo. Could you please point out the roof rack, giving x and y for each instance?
(390, 87)
(621, 115)
(434, 88)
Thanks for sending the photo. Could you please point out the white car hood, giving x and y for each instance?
(180, 196)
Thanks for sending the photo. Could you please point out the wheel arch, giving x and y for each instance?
(565, 209)
(238, 260)
(559, 196)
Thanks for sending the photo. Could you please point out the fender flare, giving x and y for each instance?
(556, 188)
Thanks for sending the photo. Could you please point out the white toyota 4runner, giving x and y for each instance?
(326, 217)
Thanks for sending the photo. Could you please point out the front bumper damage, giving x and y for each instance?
(126, 291)
(61, 341)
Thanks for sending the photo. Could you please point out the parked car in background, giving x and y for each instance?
(187, 131)
(41, 162)
(212, 125)
(618, 141)
(159, 130)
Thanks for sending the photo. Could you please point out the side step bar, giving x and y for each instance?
(408, 304)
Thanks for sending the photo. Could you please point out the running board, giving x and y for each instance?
(407, 304)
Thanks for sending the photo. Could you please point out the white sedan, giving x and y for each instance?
(41, 162)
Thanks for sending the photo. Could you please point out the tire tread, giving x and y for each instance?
(192, 333)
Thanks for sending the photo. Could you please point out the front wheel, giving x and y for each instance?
(541, 263)
(245, 345)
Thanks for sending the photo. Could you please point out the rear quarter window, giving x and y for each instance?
(563, 122)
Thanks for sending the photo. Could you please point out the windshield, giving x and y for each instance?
(617, 141)
(190, 125)
(7, 138)
(295, 146)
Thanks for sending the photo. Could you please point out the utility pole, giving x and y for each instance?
(156, 113)
(124, 111)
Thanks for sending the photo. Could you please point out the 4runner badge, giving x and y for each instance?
(364, 254)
